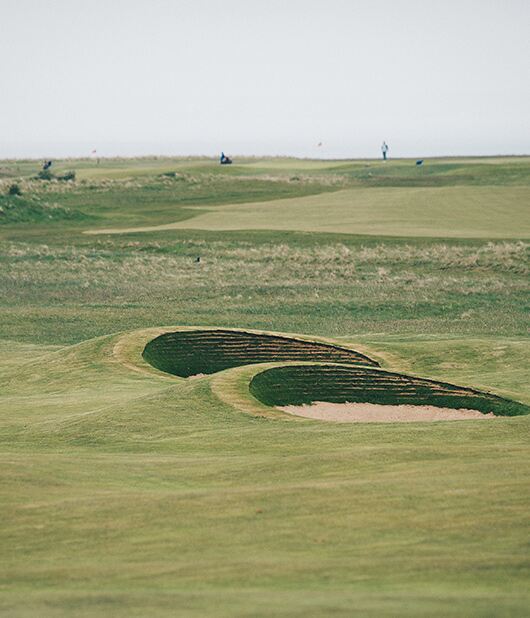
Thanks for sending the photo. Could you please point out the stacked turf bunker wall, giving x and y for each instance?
(305, 384)
(187, 353)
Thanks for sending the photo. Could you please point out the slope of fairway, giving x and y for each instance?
(450, 212)
(131, 494)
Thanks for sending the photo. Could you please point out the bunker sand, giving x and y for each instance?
(377, 413)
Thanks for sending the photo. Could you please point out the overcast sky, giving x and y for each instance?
(431, 77)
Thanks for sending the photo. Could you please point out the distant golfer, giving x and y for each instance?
(384, 150)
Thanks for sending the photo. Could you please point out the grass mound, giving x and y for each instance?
(298, 385)
(207, 351)
(19, 209)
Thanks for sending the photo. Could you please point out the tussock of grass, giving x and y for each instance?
(503, 256)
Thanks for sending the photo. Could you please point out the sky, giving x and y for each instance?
(264, 77)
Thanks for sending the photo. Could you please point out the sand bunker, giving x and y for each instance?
(406, 398)
(377, 413)
(193, 352)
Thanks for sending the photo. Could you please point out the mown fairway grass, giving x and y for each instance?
(446, 212)
(128, 492)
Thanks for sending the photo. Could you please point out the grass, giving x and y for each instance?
(449, 212)
(129, 492)
(385, 518)
(19, 209)
(65, 288)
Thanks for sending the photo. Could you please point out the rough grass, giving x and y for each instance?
(61, 289)
(21, 209)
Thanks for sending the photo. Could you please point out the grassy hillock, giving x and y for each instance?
(21, 209)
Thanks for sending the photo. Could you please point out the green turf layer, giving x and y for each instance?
(207, 351)
(16, 209)
(304, 384)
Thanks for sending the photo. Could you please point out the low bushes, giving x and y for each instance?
(14, 189)
(48, 175)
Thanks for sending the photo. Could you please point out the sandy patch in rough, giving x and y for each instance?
(377, 413)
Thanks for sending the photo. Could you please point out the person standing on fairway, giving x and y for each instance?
(384, 150)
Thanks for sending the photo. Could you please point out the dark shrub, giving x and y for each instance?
(67, 176)
(14, 189)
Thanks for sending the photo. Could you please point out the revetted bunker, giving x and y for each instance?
(305, 384)
(187, 353)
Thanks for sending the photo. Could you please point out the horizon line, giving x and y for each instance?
(247, 156)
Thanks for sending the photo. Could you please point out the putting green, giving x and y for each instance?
(450, 212)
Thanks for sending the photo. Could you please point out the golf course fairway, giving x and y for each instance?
(160, 317)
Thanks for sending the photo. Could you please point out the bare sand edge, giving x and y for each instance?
(377, 413)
